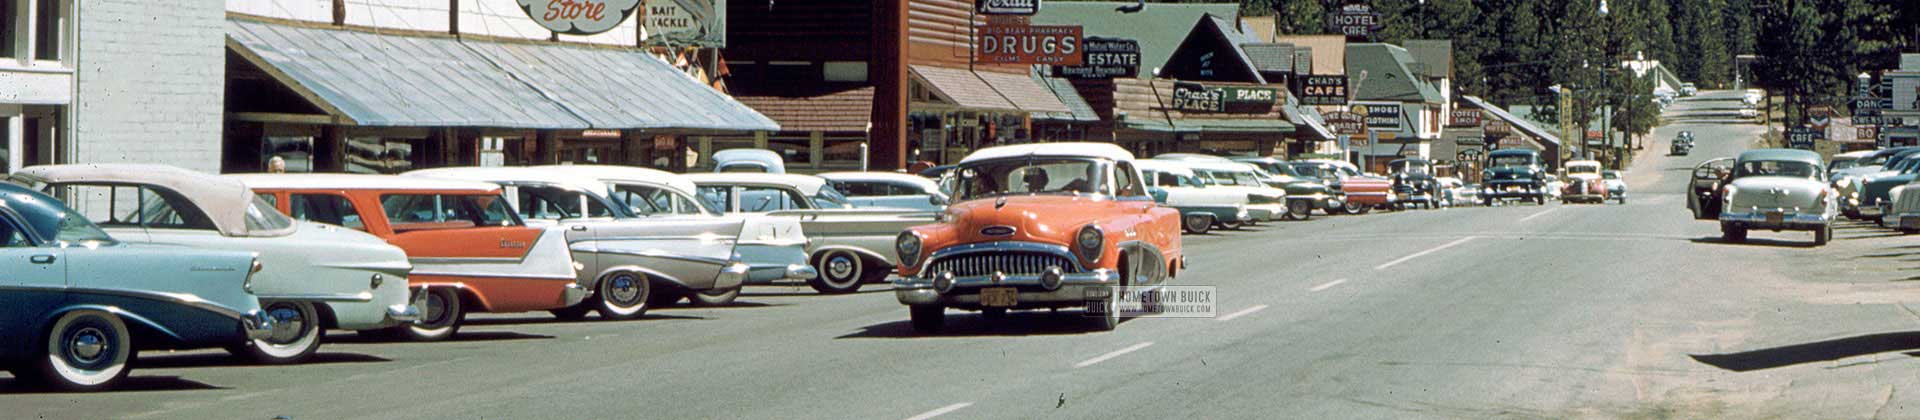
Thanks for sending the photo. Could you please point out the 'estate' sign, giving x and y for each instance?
(579, 17)
(1104, 58)
(1320, 89)
(1036, 44)
(1009, 7)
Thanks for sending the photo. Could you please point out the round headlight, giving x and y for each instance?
(1088, 242)
(908, 247)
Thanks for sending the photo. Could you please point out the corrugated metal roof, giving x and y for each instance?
(1023, 91)
(1517, 122)
(1077, 106)
(386, 80)
(963, 88)
(622, 89)
(1310, 118)
(424, 81)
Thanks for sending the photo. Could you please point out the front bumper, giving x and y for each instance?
(1777, 219)
(1266, 211)
(407, 312)
(1512, 190)
(1072, 291)
(573, 294)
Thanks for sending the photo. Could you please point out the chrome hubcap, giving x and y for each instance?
(87, 345)
(436, 308)
(289, 323)
(623, 289)
(839, 267)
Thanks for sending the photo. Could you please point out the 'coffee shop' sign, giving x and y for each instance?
(579, 17)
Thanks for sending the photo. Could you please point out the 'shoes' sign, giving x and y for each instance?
(1384, 117)
(1054, 45)
(579, 17)
(1009, 7)
(1104, 58)
(1354, 20)
(1321, 89)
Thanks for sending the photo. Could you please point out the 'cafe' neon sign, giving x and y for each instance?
(579, 17)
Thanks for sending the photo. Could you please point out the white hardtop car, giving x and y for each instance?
(888, 190)
(849, 246)
(1175, 185)
(1264, 203)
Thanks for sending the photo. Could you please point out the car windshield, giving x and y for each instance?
(1610, 175)
(1785, 168)
(830, 198)
(76, 230)
(1582, 169)
(1511, 160)
(1029, 176)
(1310, 169)
(1839, 164)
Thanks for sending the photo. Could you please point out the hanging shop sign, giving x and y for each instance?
(1497, 128)
(698, 23)
(1104, 58)
(1468, 155)
(1355, 21)
(1346, 123)
(1321, 89)
(1009, 7)
(1029, 44)
(1802, 137)
(1195, 97)
(1382, 117)
(579, 17)
(1464, 118)
(1820, 116)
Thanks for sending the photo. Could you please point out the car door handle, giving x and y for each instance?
(41, 259)
(579, 228)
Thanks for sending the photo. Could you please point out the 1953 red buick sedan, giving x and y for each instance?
(1039, 226)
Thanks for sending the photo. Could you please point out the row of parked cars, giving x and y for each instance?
(106, 260)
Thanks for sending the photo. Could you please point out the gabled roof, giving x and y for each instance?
(1434, 55)
(1390, 76)
(1518, 123)
(1159, 27)
(1329, 51)
(1217, 42)
(1270, 57)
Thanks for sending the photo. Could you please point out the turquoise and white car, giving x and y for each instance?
(80, 304)
(1173, 184)
(321, 276)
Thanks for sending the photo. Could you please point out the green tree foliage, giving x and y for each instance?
(1300, 16)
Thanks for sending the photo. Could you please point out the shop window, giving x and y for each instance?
(9, 31)
(297, 152)
(375, 155)
(846, 71)
(49, 29)
(792, 150)
(325, 208)
(843, 150)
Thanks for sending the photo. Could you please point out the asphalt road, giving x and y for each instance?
(1557, 311)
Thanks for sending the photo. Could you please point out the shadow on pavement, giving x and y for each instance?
(806, 291)
(1751, 241)
(132, 383)
(460, 336)
(1818, 351)
(224, 359)
(973, 324)
(539, 319)
(734, 304)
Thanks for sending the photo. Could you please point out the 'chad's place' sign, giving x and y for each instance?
(579, 17)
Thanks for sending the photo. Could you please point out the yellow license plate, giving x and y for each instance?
(999, 297)
(1775, 217)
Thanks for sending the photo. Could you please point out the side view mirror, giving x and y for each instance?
(936, 200)
(1159, 194)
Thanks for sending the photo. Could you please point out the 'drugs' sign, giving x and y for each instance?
(579, 17)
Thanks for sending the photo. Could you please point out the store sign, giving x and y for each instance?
(1802, 137)
(1346, 123)
(1497, 128)
(1468, 155)
(579, 17)
(1474, 141)
(1029, 44)
(1820, 116)
(1866, 132)
(1384, 117)
(1104, 58)
(1860, 120)
(1319, 89)
(1194, 97)
(1464, 118)
(1355, 20)
(699, 23)
(1009, 7)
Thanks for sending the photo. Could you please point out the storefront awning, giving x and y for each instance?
(1310, 119)
(1518, 123)
(1212, 125)
(1078, 110)
(374, 79)
(988, 91)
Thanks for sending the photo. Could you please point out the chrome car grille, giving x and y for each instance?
(1009, 263)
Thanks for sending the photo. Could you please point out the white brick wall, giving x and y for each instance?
(150, 78)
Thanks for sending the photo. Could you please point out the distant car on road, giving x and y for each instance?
(1688, 89)
(1413, 183)
(1778, 189)
(1304, 193)
(1584, 183)
(1616, 185)
(1752, 97)
(1514, 173)
(1682, 143)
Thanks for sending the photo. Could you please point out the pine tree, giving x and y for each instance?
(1300, 17)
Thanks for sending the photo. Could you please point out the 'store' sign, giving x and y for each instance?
(579, 17)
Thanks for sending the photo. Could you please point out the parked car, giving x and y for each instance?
(1174, 184)
(1703, 192)
(1875, 188)
(1413, 183)
(470, 251)
(1358, 192)
(1264, 203)
(323, 277)
(749, 160)
(1040, 226)
(1688, 89)
(1514, 173)
(1304, 193)
(1748, 112)
(80, 304)
(635, 221)
(1584, 183)
(1752, 97)
(1682, 144)
(1852, 180)
(1616, 185)
(848, 246)
(888, 190)
(1903, 211)
(1450, 191)
(1779, 189)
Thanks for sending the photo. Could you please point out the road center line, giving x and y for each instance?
(938, 411)
(1116, 353)
(1542, 213)
(1242, 312)
(1327, 286)
(1424, 253)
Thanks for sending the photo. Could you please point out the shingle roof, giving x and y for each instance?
(962, 88)
(830, 110)
(1160, 27)
(1389, 78)
(1434, 55)
(1270, 57)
